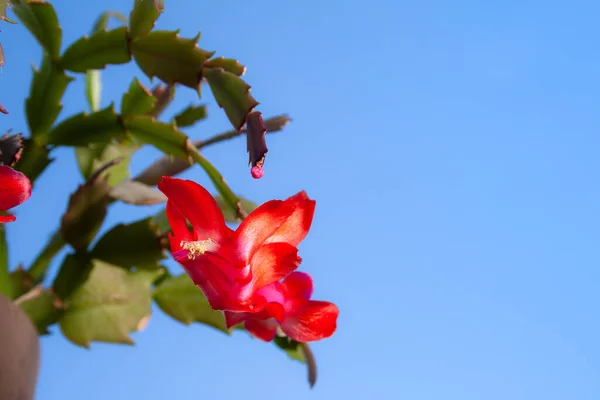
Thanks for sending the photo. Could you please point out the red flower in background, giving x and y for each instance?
(15, 188)
(231, 267)
(289, 305)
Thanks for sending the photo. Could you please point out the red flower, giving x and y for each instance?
(15, 188)
(231, 266)
(289, 305)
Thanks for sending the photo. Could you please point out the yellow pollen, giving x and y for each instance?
(198, 247)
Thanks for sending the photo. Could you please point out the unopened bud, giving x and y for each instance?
(256, 144)
(11, 148)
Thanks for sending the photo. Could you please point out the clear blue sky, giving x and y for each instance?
(452, 148)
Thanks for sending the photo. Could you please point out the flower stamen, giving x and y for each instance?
(198, 247)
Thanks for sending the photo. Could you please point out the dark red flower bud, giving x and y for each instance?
(256, 144)
(11, 148)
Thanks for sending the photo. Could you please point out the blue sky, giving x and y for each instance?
(452, 149)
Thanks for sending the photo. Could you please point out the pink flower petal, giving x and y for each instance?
(271, 263)
(310, 320)
(298, 285)
(296, 227)
(264, 330)
(258, 227)
(197, 206)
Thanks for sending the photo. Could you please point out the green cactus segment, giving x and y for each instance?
(43, 105)
(232, 94)
(82, 129)
(228, 64)
(143, 17)
(98, 50)
(40, 19)
(137, 100)
(171, 58)
(165, 137)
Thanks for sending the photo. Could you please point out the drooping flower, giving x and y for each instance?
(232, 266)
(15, 188)
(289, 305)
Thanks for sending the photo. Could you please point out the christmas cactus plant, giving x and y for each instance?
(245, 278)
